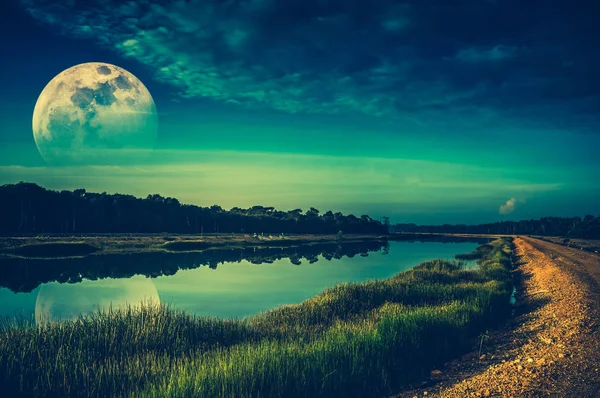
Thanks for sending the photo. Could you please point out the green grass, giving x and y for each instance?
(187, 245)
(201, 245)
(366, 339)
(481, 252)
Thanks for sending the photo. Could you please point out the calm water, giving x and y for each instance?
(233, 289)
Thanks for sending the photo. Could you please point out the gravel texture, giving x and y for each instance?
(551, 347)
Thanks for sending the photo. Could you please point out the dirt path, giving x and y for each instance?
(551, 347)
(585, 264)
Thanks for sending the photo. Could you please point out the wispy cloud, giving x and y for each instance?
(212, 50)
(289, 181)
(496, 53)
(396, 60)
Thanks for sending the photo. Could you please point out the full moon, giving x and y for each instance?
(94, 113)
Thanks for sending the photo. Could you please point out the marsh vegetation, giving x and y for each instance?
(354, 339)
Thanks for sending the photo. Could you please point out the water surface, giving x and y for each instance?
(228, 289)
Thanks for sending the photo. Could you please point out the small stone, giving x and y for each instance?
(436, 372)
(561, 355)
(529, 360)
(519, 367)
(482, 357)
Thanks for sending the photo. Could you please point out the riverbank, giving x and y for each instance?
(78, 245)
(57, 246)
(357, 339)
(551, 347)
(24, 274)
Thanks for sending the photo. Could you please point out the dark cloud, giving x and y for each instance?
(470, 61)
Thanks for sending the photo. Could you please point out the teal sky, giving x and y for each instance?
(414, 117)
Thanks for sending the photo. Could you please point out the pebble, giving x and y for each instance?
(559, 332)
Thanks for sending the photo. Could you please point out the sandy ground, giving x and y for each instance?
(590, 245)
(551, 347)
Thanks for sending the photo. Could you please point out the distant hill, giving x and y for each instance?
(29, 208)
(573, 227)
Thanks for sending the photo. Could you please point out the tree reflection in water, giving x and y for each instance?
(24, 275)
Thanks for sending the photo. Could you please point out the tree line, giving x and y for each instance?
(29, 208)
(587, 227)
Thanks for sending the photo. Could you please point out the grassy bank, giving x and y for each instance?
(362, 339)
(66, 245)
(54, 249)
(480, 252)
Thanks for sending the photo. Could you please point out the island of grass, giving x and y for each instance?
(65, 246)
(356, 339)
(52, 249)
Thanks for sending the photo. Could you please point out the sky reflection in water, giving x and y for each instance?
(233, 290)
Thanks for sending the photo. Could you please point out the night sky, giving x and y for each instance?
(423, 111)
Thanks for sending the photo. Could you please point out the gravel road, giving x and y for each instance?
(551, 347)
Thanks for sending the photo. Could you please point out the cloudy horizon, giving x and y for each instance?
(424, 112)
